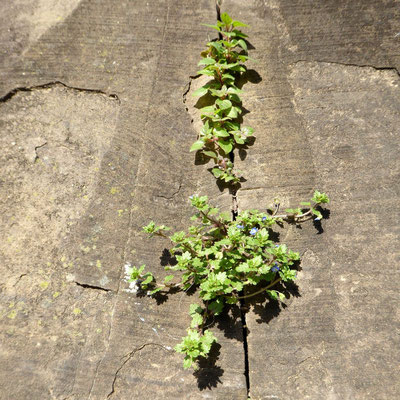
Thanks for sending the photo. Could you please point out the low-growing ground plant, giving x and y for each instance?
(227, 261)
(223, 61)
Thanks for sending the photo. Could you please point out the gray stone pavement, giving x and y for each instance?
(95, 139)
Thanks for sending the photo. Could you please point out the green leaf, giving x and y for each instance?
(239, 33)
(305, 203)
(228, 76)
(226, 19)
(197, 320)
(155, 291)
(206, 61)
(273, 294)
(207, 110)
(216, 306)
(223, 104)
(243, 268)
(195, 309)
(316, 213)
(214, 26)
(200, 91)
(187, 362)
(218, 46)
(235, 98)
(205, 72)
(217, 172)
(199, 144)
(210, 153)
(238, 139)
(247, 131)
(238, 23)
(242, 44)
(225, 145)
(147, 280)
(233, 113)
(239, 68)
(220, 132)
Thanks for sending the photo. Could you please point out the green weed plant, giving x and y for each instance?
(227, 261)
(223, 61)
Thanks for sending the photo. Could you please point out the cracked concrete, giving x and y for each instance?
(332, 126)
(95, 144)
(127, 358)
(49, 85)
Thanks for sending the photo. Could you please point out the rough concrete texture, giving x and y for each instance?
(95, 137)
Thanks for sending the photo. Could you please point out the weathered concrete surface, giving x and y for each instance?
(322, 124)
(95, 139)
(98, 155)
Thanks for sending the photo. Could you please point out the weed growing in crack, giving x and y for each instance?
(223, 61)
(227, 261)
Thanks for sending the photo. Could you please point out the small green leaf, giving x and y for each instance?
(205, 72)
(316, 213)
(147, 280)
(206, 61)
(155, 291)
(214, 26)
(273, 294)
(242, 44)
(197, 320)
(226, 146)
(217, 172)
(233, 113)
(238, 23)
(220, 132)
(210, 153)
(223, 104)
(199, 144)
(207, 110)
(187, 362)
(226, 19)
(200, 91)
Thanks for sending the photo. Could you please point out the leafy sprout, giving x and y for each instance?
(223, 61)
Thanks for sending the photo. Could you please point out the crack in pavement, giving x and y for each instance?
(393, 69)
(126, 246)
(128, 358)
(49, 85)
(87, 286)
(173, 194)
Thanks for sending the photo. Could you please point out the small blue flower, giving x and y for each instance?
(275, 268)
(191, 197)
(263, 218)
(317, 219)
(253, 231)
(240, 226)
(277, 245)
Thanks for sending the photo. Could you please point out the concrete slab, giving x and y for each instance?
(334, 127)
(95, 144)
(95, 108)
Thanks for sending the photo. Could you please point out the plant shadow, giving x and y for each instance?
(209, 374)
(266, 308)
